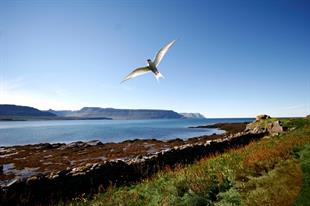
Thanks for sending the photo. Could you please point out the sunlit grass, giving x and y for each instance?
(304, 195)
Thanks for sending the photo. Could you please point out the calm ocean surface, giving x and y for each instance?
(31, 132)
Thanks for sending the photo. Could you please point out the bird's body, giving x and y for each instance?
(152, 65)
(154, 69)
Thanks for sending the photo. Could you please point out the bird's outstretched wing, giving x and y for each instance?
(161, 53)
(137, 72)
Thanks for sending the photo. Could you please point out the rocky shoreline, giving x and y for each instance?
(47, 173)
(228, 127)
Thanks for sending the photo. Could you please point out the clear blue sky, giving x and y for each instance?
(231, 58)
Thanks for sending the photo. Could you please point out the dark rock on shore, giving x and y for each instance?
(80, 144)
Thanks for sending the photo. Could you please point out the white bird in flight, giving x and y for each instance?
(152, 65)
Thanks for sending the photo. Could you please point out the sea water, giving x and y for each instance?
(64, 131)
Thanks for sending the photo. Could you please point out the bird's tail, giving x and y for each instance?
(159, 75)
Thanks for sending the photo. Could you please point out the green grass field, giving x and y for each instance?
(272, 171)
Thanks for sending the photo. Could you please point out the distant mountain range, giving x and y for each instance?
(14, 112)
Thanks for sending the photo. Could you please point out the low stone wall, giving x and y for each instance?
(91, 178)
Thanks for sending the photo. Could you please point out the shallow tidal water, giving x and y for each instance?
(64, 131)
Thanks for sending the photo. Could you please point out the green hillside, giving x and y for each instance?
(272, 171)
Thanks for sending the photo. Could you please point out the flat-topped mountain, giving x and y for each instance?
(97, 112)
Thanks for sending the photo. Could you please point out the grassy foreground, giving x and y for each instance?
(273, 171)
